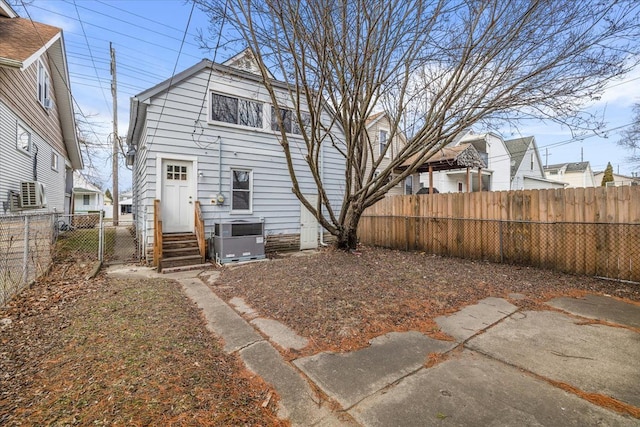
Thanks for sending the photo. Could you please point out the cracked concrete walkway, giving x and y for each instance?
(500, 370)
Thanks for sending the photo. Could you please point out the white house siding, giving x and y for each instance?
(382, 123)
(175, 133)
(16, 166)
(527, 169)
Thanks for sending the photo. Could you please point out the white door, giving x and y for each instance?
(308, 226)
(177, 196)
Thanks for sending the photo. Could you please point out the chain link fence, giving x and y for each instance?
(29, 244)
(610, 250)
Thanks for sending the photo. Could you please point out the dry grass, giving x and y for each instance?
(341, 300)
(118, 352)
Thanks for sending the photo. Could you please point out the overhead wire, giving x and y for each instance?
(84, 33)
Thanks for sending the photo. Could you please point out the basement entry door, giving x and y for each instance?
(308, 226)
(177, 200)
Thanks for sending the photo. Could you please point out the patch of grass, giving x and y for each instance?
(119, 352)
(84, 241)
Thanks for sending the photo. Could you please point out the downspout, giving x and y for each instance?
(322, 243)
(218, 197)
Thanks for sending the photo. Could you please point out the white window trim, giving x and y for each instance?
(57, 157)
(235, 125)
(18, 145)
(44, 79)
(241, 211)
(387, 153)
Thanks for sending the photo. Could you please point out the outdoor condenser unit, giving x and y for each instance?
(238, 240)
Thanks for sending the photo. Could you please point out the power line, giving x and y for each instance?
(60, 73)
(91, 54)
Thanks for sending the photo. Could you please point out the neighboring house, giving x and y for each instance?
(578, 174)
(87, 197)
(527, 170)
(618, 180)
(38, 144)
(207, 135)
(379, 131)
(495, 176)
(508, 165)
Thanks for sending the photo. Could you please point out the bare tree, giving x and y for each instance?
(631, 138)
(436, 67)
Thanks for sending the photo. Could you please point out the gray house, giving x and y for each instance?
(527, 170)
(38, 144)
(205, 151)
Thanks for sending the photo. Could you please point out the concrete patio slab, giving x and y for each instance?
(601, 308)
(280, 334)
(594, 358)
(298, 402)
(473, 390)
(350, 377)
(472, 319)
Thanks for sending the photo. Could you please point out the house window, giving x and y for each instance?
(237, 111)
(289, 121)
(382, 137)
(241, 188)
(23, 141)
(54, 161)
(176, 172)
(86, 199)
(44, 84)
(531, 161)
(408, 185)
(459, 187)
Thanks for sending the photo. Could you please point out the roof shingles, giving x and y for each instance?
(21, 38)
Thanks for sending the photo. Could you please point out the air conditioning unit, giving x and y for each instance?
(239, 240)
(32, 195)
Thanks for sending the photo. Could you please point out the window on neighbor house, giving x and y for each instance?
(382, 137)
(289, 121)
(86, 199)
(531, 161)
(241, 189)
(44, 84)
(23, 140)
(235, 110)
(54, 161)
(408, 185)
(459, 187)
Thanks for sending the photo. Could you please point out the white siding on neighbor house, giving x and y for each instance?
(175, 133)
(527, 170)
(499, 167)
(16, 166)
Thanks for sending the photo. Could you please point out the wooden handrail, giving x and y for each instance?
(157, 234)
(199, 226)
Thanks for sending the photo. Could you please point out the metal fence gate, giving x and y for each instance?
(29, 244)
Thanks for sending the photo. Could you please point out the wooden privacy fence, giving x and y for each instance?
(594, 231)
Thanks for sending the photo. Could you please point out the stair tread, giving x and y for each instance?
(180, 258)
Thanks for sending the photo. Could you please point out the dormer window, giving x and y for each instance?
(44, 86)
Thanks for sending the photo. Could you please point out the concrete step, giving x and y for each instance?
(181, 261)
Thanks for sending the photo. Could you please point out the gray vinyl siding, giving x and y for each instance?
(17, 166)
(170, 129)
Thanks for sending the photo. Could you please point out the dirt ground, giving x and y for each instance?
(118, 352)
(341, 300)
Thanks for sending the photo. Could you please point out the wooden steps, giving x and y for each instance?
(180, 250)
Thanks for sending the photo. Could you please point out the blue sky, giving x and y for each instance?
(147, 36)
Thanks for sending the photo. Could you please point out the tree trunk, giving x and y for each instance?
(348, 235)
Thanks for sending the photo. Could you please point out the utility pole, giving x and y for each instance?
(546, 157)
(114, 95)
